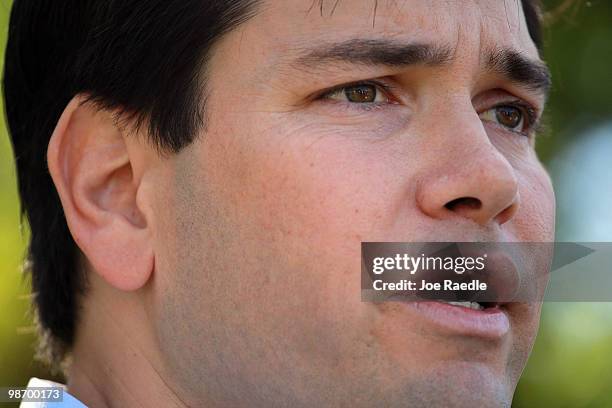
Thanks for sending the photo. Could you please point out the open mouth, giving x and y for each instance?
(469, 305)
(475, 303)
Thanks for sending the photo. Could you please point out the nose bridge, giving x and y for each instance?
(469, 177)
(461, 136)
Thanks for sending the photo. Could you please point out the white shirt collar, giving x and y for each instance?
(68, 401)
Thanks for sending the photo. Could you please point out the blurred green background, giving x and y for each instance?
(571, 364)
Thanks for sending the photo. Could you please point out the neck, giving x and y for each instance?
(114, 359)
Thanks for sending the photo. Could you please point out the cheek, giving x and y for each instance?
(298, 206)
(535, 220)
(303, 185)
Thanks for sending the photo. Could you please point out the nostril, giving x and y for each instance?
(468, 203)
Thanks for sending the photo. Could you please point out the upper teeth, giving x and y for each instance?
(471, 305)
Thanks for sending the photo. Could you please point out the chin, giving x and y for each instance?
(459, 384)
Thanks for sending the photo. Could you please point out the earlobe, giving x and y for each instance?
(94, 175)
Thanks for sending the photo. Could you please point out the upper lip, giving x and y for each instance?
(501, 274)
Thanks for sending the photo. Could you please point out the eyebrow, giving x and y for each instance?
(377, 52)
(508, 63)
(530, 73)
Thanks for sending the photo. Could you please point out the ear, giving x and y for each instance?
(93, 172)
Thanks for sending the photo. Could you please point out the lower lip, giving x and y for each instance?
(491, 323)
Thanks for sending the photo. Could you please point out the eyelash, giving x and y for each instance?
(530, 114)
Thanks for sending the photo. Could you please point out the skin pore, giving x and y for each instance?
(228, 274)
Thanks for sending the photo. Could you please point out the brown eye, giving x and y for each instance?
(361, 93)
(509, 116)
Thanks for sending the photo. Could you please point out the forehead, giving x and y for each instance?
(461, 24)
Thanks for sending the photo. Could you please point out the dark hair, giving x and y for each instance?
(143, 57)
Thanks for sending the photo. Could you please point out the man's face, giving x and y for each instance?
(326, 127)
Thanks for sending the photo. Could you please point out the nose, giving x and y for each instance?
(480, 186)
